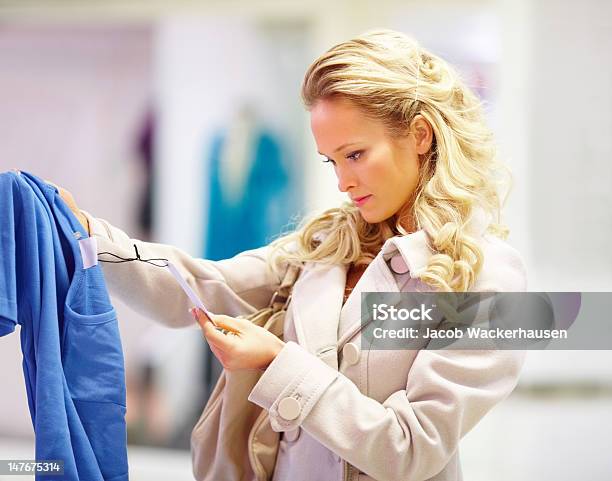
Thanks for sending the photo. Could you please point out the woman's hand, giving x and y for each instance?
(70, 202)
(246, 346)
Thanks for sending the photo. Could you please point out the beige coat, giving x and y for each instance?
(386, 415)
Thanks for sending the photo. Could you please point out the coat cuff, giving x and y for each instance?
(291, 385)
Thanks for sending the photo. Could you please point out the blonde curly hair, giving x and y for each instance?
(391, 78)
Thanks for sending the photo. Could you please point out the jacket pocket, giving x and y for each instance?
(92, 357)
(94, 371)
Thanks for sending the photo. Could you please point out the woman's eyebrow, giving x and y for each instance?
(341, 147)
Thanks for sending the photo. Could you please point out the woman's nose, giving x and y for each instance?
(346, 179)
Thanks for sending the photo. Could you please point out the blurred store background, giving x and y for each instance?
(159, 115)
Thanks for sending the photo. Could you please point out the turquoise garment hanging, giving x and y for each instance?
(264, 206)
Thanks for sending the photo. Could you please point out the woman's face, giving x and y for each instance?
(367, 161)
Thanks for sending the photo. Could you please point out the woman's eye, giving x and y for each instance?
(354, 155)
(328, 160)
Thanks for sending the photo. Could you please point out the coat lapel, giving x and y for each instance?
(316, 303)
(378, 277)
(317, 295)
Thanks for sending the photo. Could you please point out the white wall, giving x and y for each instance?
(556, 125)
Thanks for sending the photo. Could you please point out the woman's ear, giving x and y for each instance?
(423, 134)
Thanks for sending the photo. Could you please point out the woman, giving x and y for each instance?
(408, 143)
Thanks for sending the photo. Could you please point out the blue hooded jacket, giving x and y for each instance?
(72, 355)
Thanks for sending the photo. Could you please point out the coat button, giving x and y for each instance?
(289, 408)
(398, 264)
(292, 435)
(350, 352)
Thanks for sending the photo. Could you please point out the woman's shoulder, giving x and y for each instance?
(503, 268)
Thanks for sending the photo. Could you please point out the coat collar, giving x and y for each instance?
(317, 295)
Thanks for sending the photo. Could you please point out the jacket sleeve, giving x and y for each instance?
(414, 432)
(240, 285)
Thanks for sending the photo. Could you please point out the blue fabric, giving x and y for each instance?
(72, 354)
(265, 206)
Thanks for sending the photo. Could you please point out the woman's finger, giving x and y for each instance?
(229, 323)
(215, 336)
(204, 323)
(195, 312)
(202, 317)
(212, 333)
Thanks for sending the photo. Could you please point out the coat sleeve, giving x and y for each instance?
(415, 431)
(240, 285)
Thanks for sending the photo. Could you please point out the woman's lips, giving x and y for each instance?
(359, 201)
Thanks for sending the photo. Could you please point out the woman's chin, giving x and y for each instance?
(375, 217)
(371, 217)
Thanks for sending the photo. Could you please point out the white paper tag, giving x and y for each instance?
(89, 252)
(188, 290)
